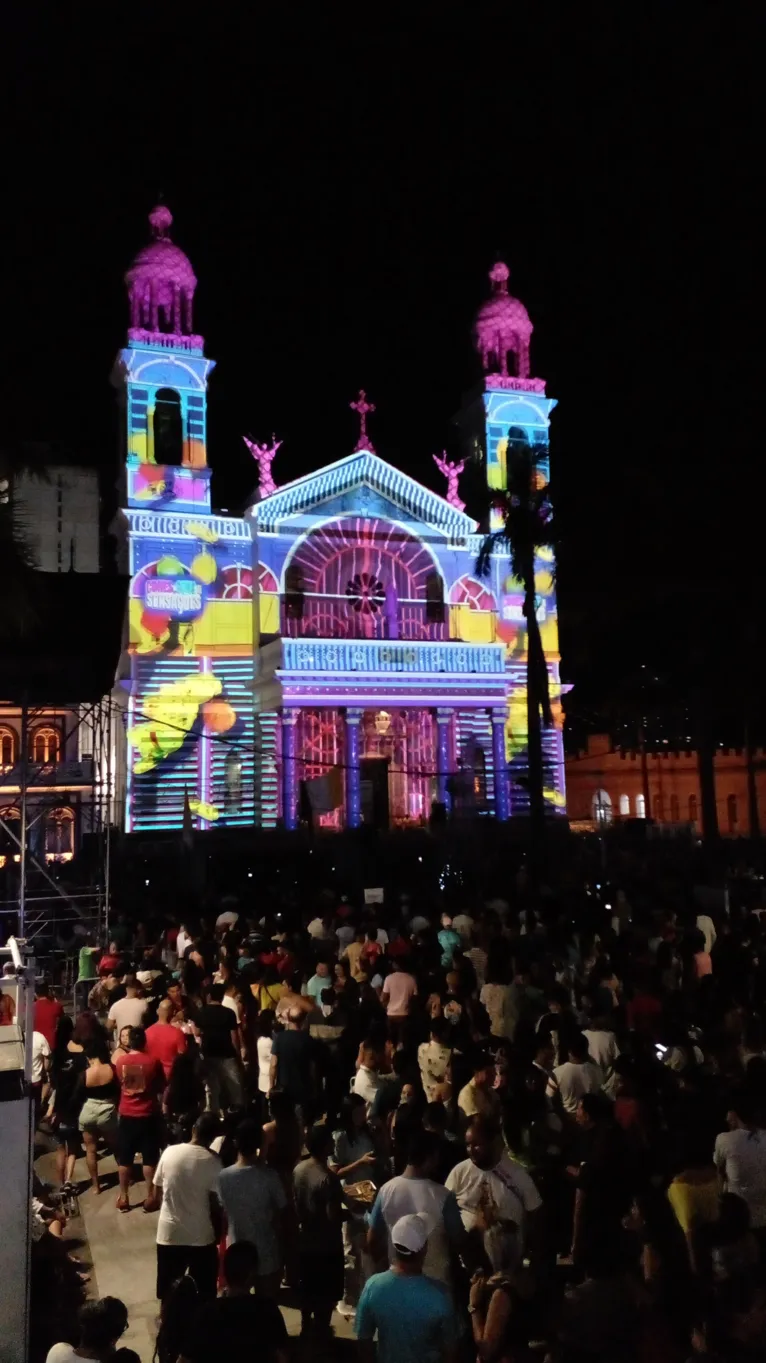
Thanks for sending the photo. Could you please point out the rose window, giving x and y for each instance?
(365, 593)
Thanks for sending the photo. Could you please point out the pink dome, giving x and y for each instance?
(161, 281)
(503, 325)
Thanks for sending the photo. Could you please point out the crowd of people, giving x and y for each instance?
(534, 1127)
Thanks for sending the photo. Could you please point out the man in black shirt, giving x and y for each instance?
(219, 1041)
(237, 1322)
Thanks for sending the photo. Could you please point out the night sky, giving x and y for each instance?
(342, 192)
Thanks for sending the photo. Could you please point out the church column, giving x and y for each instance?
(443, 719)
(500, 764)
(353, 776)
(289, 775)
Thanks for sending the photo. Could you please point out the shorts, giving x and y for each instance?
(98, 1115)
(138, 1135)
(67, 1133)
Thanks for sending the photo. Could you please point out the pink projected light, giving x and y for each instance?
(264, 457)
(503, 325)
(161, 282)
(452, 473)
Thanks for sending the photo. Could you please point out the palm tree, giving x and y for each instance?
(527, 528)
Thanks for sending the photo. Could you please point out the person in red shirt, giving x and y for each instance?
(644, 1010)
(142, 1080)
(48, 1010)
(163, 1040)
(110, 961)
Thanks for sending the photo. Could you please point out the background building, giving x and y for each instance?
(56, 747)
(59, 510)
(606, 784)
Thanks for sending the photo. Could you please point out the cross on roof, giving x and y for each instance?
(362, 407)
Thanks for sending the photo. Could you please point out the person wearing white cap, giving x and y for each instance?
(410, 1315)
(415, 1191)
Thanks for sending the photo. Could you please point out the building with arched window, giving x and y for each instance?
(334, 647)
(672, 778)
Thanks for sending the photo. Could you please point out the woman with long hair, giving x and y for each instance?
(184, 1097)
(98, 1114)
(177, 1312)
(68, 1065)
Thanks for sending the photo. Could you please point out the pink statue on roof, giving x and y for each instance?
(502, 326)
(452, 473)
(264, 457)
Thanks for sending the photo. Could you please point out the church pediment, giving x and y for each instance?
(362, 484)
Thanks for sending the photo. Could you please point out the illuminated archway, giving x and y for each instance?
(355, 573)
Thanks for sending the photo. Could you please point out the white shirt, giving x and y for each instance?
(741, 1157)
(463, 924)
(707, 928)
(345, 934)
(602, 1048)
(403, 1196)
(419, 923)
(507, 1186)
(366, 1084)
(127, 1013)
(317, 929)
(187, 1175)
(572, 1080)
(227, 919)
(40, 1051)
(434, 1062)
(63, 1353)
(263, 1047)
(183, 940)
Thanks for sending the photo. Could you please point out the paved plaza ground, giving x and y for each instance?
(119, 1250)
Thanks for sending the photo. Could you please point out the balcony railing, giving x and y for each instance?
(67, 773)
(335, 618)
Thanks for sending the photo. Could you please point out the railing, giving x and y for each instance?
(327, 655)
(67, 773)
(332, 618)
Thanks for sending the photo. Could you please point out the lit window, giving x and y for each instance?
(7, 747)
(640, 807)
(44, 745)
(601, 805)
(59, 835)
(624, 806)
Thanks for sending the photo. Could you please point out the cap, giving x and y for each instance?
(410, 1234)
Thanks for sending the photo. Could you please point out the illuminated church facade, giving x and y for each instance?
(337, 633)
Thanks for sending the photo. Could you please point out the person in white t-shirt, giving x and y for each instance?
(578, 1075)
(183, 940)
(740, 1157)
(189, 1224)
(415, 1191)
(706, 926)
(494, 1194)
(102, 1324)
(602, 1049)
(128, 1011)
